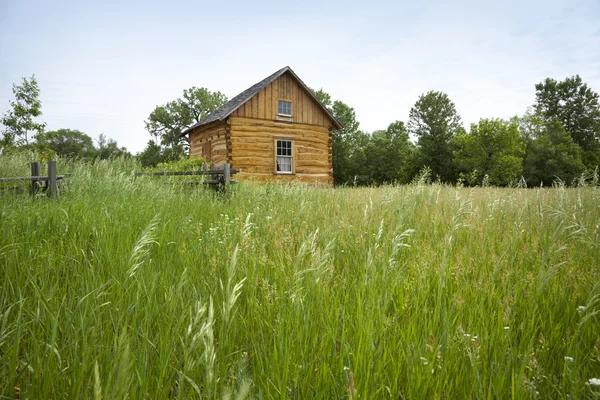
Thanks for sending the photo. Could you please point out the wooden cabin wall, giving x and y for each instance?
(264, 104)
(216, 134)
(253, 150)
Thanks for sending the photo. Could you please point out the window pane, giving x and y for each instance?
(284, 107)
(284, 148)
(284, 164)
(284, 155)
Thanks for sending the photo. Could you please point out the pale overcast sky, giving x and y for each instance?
(103, 66)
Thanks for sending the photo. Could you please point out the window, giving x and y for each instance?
(285, 108)
(284, 156)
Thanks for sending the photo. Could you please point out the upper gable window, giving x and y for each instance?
(285, 108)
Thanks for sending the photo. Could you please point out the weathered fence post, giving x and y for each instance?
(226, 174)
(35, 171)
(52, 182)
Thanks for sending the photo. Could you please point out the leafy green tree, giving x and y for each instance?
(494, 148)
(576, 106)
(551, 152)
(109, 148)
(67, 143)
(20, 120)
(433, 120)
(166, 123)
(348, 143)
(389, 155)
(151, 156)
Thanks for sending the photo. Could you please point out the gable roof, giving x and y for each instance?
(228, 108)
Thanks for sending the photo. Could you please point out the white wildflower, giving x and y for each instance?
(569, 359)
(593, 382)
(506, 328)
(346, 368)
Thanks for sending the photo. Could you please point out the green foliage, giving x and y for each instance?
(551, 152)
(576, 106)
(433, 120)
(20, 120)
(154, 154)
(185, 164)
(151, 156)
(389, 155)
(348, 156)
(166, 123)
(109, 148)
(492, 148)
(136, 288)
(67, 143)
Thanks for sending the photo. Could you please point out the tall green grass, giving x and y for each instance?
(143, 288)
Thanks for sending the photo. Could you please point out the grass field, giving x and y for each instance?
(145, 289)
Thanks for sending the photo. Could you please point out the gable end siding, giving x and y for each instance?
(264, 104)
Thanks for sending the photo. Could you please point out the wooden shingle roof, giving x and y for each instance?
(228, 108)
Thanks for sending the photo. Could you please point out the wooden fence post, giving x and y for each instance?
(52, 182)
(226, 174)
(35, 171)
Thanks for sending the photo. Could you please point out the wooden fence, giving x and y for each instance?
(50, 182)
(220, 177)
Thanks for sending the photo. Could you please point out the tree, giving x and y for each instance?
(68, 143)
(389, 154)
(19, 121)
(434, 121)
(109, 148)
(494, 148)
(166, 123)
(348, 143)
(551, 152)
(151, 156)
(576, 107)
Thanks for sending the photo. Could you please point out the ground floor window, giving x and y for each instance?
(284, 156)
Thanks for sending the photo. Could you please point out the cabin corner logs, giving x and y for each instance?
(247, 137)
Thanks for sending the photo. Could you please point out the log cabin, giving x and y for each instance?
(275, 130)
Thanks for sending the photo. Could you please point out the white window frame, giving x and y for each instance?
(279, 102)
(290, 157)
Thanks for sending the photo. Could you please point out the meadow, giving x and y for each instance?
(147, 288)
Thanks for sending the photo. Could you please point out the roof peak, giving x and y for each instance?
(228, 108)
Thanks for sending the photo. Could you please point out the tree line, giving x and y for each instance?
(23, 130)
(556, 139)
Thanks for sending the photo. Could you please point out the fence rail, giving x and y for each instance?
(31, 178)
(219, 177)
(51, 180)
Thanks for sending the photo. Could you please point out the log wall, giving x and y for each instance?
(216, 134)
(252, 149)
